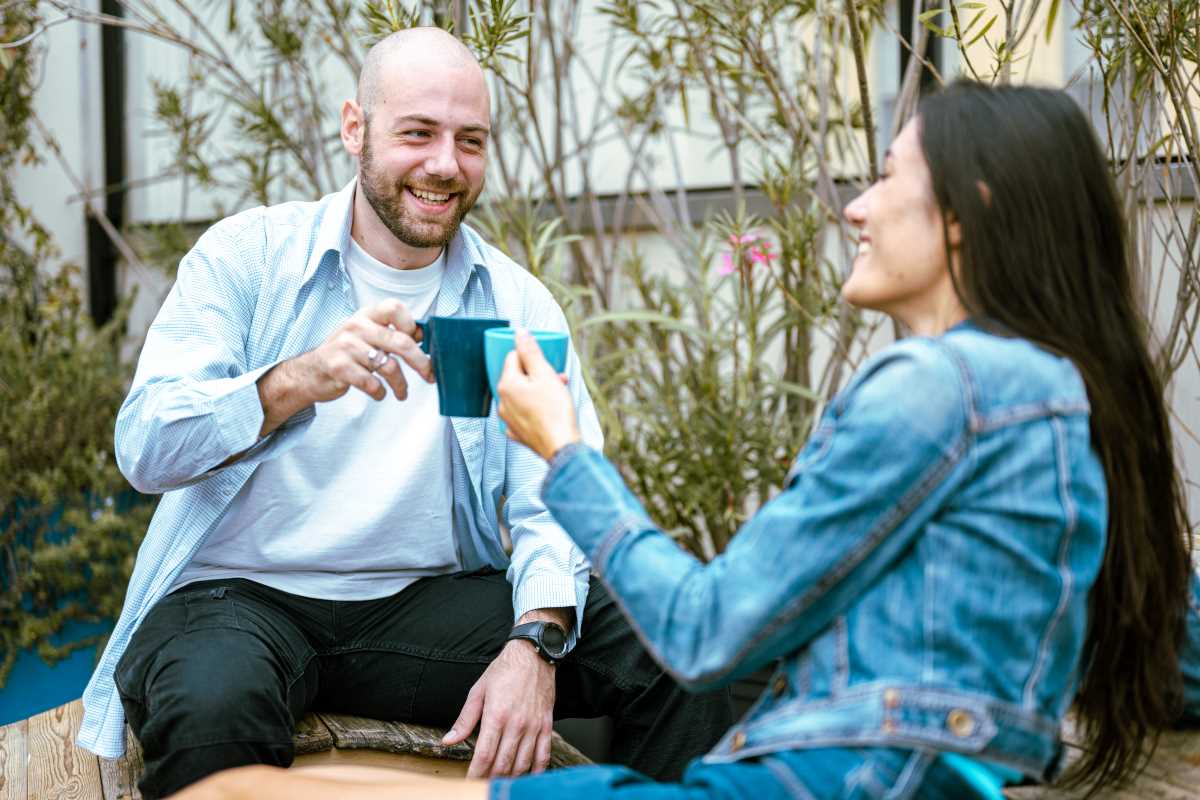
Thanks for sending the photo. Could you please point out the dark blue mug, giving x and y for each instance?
(455, 344)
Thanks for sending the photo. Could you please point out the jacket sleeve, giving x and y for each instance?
(1190, 658)
(546, 569)
(194, 400)
(885, 456)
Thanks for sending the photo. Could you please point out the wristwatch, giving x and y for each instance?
(548, 637)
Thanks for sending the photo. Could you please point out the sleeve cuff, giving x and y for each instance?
(239, 411)
(560, 460)
(551, 591)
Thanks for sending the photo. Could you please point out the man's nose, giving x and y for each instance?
(441, 161)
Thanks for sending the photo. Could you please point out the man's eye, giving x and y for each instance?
(416, 133)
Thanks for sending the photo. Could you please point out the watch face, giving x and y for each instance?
(554, 639)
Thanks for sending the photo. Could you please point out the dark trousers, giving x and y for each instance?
(219, 672)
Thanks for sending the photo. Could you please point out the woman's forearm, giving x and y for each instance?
(345, 782)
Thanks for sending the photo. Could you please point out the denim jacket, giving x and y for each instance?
(922, 579)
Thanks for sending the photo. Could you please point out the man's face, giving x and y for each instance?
(424, 154)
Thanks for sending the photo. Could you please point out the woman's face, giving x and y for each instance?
(900, 267)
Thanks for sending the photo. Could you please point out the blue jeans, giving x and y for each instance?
(827, 774)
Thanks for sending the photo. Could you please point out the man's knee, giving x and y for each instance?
(215, 687)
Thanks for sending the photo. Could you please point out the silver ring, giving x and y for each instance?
(376, 359)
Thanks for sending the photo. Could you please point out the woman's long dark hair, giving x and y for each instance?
(1043, 254)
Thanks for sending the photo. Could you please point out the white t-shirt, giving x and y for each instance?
(361, 507)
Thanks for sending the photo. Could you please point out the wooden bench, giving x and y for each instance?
(39, 759)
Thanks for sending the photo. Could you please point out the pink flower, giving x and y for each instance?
(751, 247)
(762, 253)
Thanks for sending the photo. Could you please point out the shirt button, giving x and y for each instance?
(891, 698)
(960, 722)
(739, 741)
(780, 686)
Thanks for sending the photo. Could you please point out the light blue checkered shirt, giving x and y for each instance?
(267, 285)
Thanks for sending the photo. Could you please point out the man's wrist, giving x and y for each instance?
(281, 395)
(563, 617)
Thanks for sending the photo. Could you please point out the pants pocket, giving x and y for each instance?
(211, 608)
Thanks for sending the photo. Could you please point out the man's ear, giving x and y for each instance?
(353, 127)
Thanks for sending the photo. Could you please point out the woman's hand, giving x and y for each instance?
(534, 401)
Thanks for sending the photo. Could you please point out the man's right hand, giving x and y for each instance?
(357, 352)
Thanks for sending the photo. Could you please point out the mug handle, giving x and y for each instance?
(423, 324)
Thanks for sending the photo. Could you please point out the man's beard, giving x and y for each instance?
(389, 205)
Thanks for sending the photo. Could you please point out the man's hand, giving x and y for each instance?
(354, 355)
(513, 704)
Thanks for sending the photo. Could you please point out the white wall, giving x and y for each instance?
(66, 101)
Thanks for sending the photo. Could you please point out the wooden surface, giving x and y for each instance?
(13, 760)
(39, 759)
(1173, 774)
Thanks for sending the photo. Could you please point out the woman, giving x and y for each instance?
(985, 527)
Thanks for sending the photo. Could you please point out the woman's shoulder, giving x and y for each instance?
(1008, 374)
(970, 373)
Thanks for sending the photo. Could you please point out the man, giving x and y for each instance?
(321, 544)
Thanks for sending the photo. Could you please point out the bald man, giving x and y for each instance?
(325, 539)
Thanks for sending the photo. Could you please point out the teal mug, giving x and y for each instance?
(455, 344)
(498, 342)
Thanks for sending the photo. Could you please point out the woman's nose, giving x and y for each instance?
(855, 211)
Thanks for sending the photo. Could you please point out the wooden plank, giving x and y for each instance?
(14, 761)
(311, 736)
(57, 768)
(354, 733)
(119, 776)
(405, 762)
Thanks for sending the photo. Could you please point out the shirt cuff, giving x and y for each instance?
(551, 591)
(239, 412)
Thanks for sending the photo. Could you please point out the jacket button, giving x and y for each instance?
(960, 722)
(779, 686)
(739, 741)
(891, 698)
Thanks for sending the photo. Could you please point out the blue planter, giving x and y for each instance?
(34, 686)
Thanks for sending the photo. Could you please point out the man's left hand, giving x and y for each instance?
(513, 704)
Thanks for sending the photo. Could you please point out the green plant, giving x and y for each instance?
(69, 524)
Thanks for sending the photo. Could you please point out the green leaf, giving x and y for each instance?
(983, 32)
(797, 389)
(1051, 17)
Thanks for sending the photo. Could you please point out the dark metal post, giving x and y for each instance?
(102, 254)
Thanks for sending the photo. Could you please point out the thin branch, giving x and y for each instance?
(110, 230)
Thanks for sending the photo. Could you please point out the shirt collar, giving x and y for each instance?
(463, 254)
